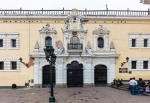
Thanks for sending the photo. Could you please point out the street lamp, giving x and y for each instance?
(51, 58)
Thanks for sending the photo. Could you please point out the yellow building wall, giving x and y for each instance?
(29, 34)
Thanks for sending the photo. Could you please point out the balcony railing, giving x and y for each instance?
(74, 46)
(84, 13)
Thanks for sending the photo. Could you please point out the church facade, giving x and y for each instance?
(92, 47)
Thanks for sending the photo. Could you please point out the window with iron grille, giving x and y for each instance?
(13, 42)
(13, 65)
(133, 65)
(145, 64)
(145, 42)
(1, 65)
(133, 42)
(1, 42)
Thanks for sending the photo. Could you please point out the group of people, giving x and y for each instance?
(137, 86)
(116, 82)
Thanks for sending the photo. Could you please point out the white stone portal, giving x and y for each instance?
(88, 56)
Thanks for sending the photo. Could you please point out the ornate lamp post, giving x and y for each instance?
(51, 58)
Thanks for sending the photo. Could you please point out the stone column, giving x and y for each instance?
(106, 41)
(87, 73)
(66, 43)
(60, 73)
(36, 73)
(83, 43)
(94, 42)
(111, 72)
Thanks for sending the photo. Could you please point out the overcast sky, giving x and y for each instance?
(69, 4)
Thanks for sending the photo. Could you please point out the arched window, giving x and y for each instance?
(100, 42)
(74, 40)
(48, 41)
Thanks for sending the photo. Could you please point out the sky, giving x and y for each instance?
(70, 4)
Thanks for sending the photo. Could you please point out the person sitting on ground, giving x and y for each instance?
(113, 83)
(119, 83)
(147, 89)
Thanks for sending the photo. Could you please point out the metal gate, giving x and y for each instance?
(100, 74)
(75, 74)
(46, 76)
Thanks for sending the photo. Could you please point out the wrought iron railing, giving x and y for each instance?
(74, 46)
(86, 13)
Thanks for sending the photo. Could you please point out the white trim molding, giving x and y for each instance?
(7, 64)
(134, 36)
(103, 33)
(145, 36)
(47, 31)
(139, 63)
(3, 37)
(10, 37)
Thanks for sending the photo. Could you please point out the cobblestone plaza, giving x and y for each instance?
(71, 95)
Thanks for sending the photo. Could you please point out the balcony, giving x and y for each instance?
(75, 48)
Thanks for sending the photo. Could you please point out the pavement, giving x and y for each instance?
(71, 95)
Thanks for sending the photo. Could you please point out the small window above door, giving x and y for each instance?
(74, 40)
(100, 42)
(48, 41)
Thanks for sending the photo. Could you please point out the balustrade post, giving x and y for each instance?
(42, 10)
(63, 10)
(20, 10)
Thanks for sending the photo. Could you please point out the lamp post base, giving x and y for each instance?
(51, 99)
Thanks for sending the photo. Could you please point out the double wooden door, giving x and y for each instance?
(46, 76)
(75, 74)
(100, 74)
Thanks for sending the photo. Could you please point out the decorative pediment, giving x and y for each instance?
(101, 30)
(47, 29)
(74, 22)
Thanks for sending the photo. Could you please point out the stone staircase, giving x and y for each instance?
(126, 88)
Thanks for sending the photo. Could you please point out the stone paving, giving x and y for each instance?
(71, 95)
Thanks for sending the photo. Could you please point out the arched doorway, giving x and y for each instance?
(46, 76)
(74, 74)
(100, 74)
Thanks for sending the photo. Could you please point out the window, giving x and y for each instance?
(145, 42)
(13, 65)
(1, 42)
(1, 65)
(133, 64)
(133, 42)
(13, 42)
(74, 40)
(145, 64)
(100, 42)
(48, 41)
